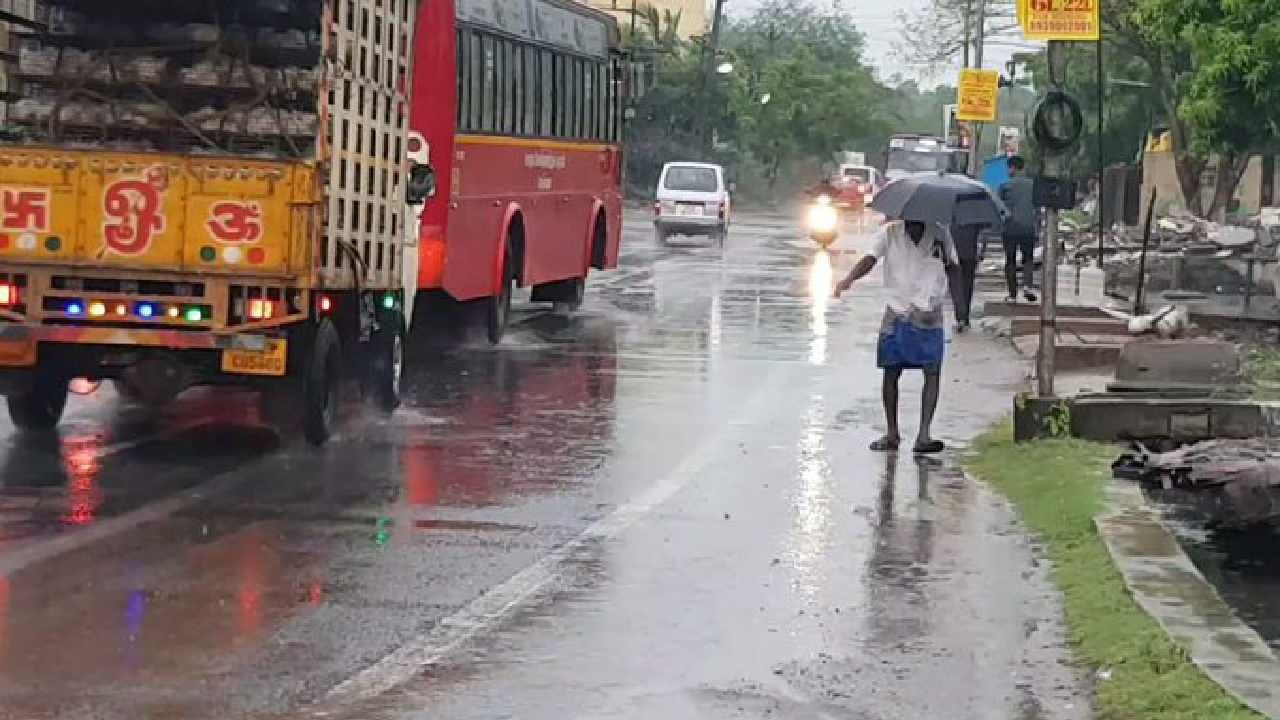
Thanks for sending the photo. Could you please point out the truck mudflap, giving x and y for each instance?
(19, 342)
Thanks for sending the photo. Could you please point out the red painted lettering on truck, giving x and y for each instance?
(134, 209)
(235, 222)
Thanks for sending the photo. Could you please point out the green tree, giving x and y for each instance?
(1231, 87)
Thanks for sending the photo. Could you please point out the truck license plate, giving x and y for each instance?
(690, 210)
(270, 361)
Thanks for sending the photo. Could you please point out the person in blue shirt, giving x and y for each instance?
(1021, 229)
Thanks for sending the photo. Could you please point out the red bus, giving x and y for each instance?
(517, 105)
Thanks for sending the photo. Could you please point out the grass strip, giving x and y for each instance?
(1057, 487)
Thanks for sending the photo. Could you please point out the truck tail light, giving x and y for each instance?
(8, 295)
(261, 309)
(325, 303)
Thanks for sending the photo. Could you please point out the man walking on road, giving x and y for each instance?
(1020, 229)
(915, 257)
(962, 276)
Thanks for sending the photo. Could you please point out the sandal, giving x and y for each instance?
(886, 444)
(933, 447)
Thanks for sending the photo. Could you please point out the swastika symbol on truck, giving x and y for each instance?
(133, 209)
(24, 210)
(235, 222)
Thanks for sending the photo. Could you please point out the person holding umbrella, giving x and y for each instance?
(916, 248)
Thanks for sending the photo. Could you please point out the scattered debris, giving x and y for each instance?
(1231, 483)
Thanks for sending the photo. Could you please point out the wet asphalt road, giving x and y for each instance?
(660, 507)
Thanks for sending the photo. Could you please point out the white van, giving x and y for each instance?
(692, 199)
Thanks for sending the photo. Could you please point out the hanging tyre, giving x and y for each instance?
(386, 366)
(322, 386)
(498, 309)
(40, 406)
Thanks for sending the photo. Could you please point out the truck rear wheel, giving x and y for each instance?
(321, 389)
(386, 365)
(40, 407)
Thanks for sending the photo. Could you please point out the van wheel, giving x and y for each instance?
(322, 385)
(498, 309)
(41, 406)
(386, 366)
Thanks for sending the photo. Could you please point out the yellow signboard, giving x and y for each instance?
(1060, 19)
(978, 92)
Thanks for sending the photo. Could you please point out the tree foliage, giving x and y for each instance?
(800, 90)
(1230, 86)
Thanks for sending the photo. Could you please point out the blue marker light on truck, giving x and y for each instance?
(75, 308)
(146, 311)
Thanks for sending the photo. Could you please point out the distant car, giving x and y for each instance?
(692, 199)
(858, 185)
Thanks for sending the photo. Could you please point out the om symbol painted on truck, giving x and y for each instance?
(134, 211)
(235, 222)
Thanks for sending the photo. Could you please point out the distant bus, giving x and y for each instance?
(518, 109)
(912, 154)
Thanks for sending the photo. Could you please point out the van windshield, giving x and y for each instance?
(691, 179)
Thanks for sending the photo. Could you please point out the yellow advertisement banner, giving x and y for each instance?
(979, 90)
(1060, 19)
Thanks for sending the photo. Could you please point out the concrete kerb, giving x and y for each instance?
(1169, 588)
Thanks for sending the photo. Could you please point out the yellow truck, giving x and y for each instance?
(193, 195)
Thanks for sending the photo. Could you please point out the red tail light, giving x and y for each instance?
(657, 209)
(8, 295)
(325, 304)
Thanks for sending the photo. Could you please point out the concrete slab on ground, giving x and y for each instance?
(1169, 587)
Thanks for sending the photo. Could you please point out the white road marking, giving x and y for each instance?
(497, 605)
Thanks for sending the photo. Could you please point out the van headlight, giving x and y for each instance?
(823, 219)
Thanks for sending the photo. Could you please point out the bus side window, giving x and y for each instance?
(545, 95)
(530, 90)
(464, 94)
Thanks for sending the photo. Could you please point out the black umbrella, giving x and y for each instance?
(943, 199)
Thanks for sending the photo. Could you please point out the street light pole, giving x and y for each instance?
(708, 66)
(980, 36)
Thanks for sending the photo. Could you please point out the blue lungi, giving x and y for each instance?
(913, 340)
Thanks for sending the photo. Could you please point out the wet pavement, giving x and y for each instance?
(661, 506)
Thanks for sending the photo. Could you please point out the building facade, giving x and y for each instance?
(694, 15)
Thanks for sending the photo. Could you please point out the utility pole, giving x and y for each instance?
(1053, 166)
(979, 39)
(709, 65)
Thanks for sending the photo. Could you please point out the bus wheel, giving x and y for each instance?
(39, 407)
(577, 292)
(386, 365)
(498, 310)
(322, 385)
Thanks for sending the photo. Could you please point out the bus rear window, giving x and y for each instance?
(691, 179)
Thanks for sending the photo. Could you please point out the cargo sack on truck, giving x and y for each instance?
(196, 76)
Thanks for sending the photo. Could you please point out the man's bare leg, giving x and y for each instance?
(889, 394)
(928, 405)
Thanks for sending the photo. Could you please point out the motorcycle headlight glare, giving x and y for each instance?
(823, 218)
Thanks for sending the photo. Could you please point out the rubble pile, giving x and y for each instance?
(1185, 252)
(245, 79)
(1232, 483)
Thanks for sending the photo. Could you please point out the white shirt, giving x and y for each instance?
(914, 274)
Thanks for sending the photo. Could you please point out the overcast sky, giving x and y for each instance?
(879, 22)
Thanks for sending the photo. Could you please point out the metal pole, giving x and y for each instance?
(1142, 259)
(979, 36)
(1046, 358)
(708, 67)
(1102, 170)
